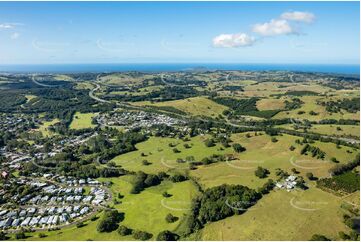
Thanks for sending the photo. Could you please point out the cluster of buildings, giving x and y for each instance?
(71, 191)
(72, 181)
(42, 217)
(136, 119)
(51, 200)
(289, 183)
(14, 122)
(59, 145)
(14, 160)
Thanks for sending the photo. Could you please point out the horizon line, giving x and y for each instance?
(173, 63)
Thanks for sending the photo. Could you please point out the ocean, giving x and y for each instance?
(158, 67)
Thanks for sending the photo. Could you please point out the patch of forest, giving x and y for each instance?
(244, 107)
(350, 105)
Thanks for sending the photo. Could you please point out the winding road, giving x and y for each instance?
(42, 84)
(91, 94)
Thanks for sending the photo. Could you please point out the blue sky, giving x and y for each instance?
(170, 32)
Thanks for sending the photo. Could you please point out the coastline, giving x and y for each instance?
(351, 69)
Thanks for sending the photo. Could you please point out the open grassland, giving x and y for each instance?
(251, 118)
(122, 79)
(353, 199)
(147, 211)
(270, 104)
(246, 82)
(82, 121)
(282, 215)
(330, 129)
(119, 79)
(44, 128)
(310, 104)
(29, 97)
(261, 151)
(128, 93)
(265, 89)
(84, 85)
(345, 93)
(138, 92)
(201, 106)
(162, 158)
(228, 173)
(61, 77)
(150, 89)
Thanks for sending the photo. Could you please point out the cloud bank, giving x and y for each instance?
(274, 27)
(233, 40)
(278, 26)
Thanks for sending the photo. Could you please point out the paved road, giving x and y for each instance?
(167, 83)
(121, 104)
(91, 94)
(42, 84)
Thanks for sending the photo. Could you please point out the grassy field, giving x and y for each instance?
(29, 97)
(139, 92)
(44, 128)
(265, 89)
(261, 151)
(145, 211)
(124, 79)
(194, 106)
(118, 78)
(150, 89)
(353, 199)
(228, 173)
(84, 85)
(162, 157)
(330, 129)
(346, 93)
(82, 121)
(247, 82)
(282, 215)
(63, 78)
(271, 104)
(240, 171)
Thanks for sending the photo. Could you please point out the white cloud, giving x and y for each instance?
(15, 36)
(305, 17)
(233, 40)
(6, 26)
(284, 25)
(274, 27)
(9, 25)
